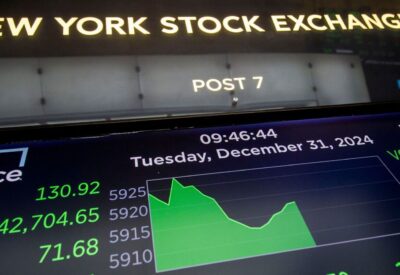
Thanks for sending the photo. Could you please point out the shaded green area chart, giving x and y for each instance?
(192, 229)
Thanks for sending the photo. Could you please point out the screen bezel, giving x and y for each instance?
(73, 130)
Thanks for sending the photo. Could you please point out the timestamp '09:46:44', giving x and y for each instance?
(217, 138)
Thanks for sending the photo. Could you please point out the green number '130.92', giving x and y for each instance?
(68, 191)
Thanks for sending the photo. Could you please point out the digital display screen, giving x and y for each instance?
(313, 196)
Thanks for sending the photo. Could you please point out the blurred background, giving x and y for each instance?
(50, 79)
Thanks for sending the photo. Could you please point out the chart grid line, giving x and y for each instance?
(266, 167)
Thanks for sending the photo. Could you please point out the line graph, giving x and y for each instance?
(213, 236)
(338, 201)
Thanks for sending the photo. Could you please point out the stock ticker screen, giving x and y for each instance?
(314, 196)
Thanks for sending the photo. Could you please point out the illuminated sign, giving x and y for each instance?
(91, 26)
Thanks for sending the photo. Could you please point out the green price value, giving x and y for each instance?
(68, 191)
(48, 221)
(59, 253)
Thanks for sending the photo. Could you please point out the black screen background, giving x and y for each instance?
(107, 159)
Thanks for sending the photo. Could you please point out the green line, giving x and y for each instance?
(192, 229)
